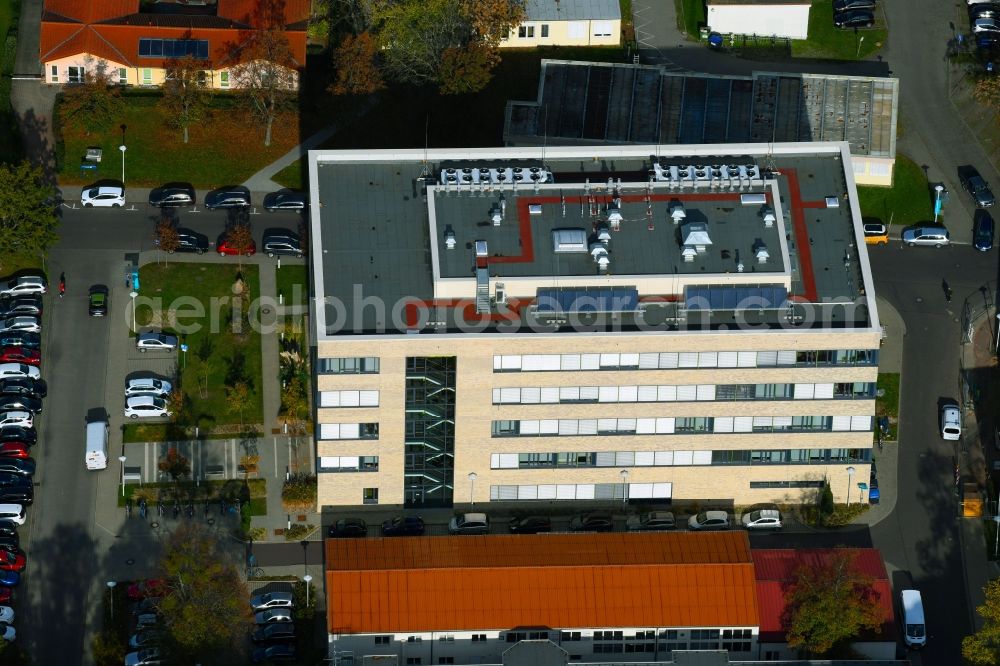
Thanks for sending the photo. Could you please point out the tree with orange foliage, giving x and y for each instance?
(357, 71)
(466, 70)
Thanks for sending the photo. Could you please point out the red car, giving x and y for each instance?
(153, 587)
(20, 355)
(224, 247)
(11, 561)
(14, 450)
(6, 594)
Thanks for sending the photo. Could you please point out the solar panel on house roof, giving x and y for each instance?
(735, 298)
(587, 299)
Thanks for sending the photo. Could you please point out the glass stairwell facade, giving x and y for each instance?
(429, 467)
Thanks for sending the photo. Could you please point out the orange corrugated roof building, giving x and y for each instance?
(550, 580)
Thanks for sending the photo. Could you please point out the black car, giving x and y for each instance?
(20, 403)
(19, 434)
(856, 18)
(10, 467)
(976, 186)
(285, 200)
(8, 529)
(12, 306)
(279, 652)
(230, 196)
(17, 494)
(403, 526)
(172, 194)
(10, 544)
(530, 525)
(189, 240)
(348, 527)
(98, 300)
(282, 242)
(592, 522)
(276, 632)
(847, 5)
(20, 339)
(982, 230)
(983, 10)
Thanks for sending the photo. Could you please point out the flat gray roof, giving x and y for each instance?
(616, 103)
(572, 10)
(397, 245)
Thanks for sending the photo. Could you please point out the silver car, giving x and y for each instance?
(273, 615)
(270, 600)
(935, 236)
(147, 386)
(23, 323)
(156, 341)
(26, 284)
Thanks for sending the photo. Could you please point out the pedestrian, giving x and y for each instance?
(62, 284)
(947, 290)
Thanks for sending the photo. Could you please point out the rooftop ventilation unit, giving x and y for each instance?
(760, 251)
(677, 212)
(695, 235)
(568, 241)
(767, 213)
(603, 234)
(496, 215)
(481, 249)
(500, 294)
(449, 239)
(495, 175)
(600, 256)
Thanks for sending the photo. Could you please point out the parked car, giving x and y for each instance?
(847, 5)
(97, 300)
(9, 578)
(286, 200)
(6, 614)
(14, 450)
(273, 615)
(146, 638)
(145, 657)
(876, 233)
(147, 386)
(592, 522)
(762, 519)
(530, 525)
(172, 194)
(189, 240)
(982, 230)
(709, 520)
(23, 494)
(17, 418)
(147, 605)
(110, 194)
(469, 523)
(12, 561)
(976, 186)
(230, 196)
(147, 621)
(874, 494)
(27, 436)
(146, 406)
(225, 246)
(20, 355)
(8, 370)
(21, 323)
(143, 589)
(650, 522)
(13, 471)
(25, 304)
(271, 600)
(951, 422)
(348, 528)
(282, 242)
(855, 18)
(984, 9)
(936, 236)
(986, 24)
(8, 529)
(403, 526)
(277, 652)
(155, 341)
(274, 633)
(7, 632)
(21, 403)
(6, 596)
(9, 543)
(21, 339)
(29, 283)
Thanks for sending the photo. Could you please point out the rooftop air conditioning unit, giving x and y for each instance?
(767, 213)
(449, 240)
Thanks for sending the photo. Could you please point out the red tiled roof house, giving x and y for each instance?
(134, 41)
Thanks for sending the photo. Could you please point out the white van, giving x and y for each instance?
(914, 631)
(97, 445)
(13, 512)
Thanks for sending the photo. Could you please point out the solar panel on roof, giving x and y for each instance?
(765, 297)
(587, 299)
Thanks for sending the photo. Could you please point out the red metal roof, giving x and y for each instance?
(500, 582)
(91, 11)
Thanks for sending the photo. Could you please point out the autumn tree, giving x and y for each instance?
(294, 402)
(492, 20)
(96, 102)
(28, 219)
(185, 92)
(166, 236)
(206, 613)
(987, 91)
(829, 604)
(174, 464)
(357, 71)
(466, 70)
(240, 237)
(983, 647)
(237, 397)
(413, 35)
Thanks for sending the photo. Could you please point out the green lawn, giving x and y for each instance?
(829, 42)
(908, 201)
(690, 16)
(888, 404)
(293, 283)
(217, 357)
(226, 148)
(292, 176)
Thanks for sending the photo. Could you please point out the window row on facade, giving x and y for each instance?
(575, 459)
(347, 464)
(348, 431)
(682, 393)
(349, 365)
(676, 360)
(680, 425)
(616, 491)
(363, 398)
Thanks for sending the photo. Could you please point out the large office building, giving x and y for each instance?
(641, 323)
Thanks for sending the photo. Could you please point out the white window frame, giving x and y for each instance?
(75, 74)
(54, 74)
(601, 28)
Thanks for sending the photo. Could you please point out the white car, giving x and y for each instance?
(7, 632)
(762, 519)
(26, 284)
(111, 196)
(23, 323)
(269, 600)
(146, 406)
(6, 615)
(156, 341)
(16, 419)
(147, 386)
(147, 657)
(986, 24)
(709, 520)
(951, 422)
(19, 370)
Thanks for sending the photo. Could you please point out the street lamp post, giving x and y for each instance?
(996, 347)
(132, 294)
(938, 189)
(860, 42)
(624, 475)
(850, 474)
(122, 460)
(111, 589)
(472, 488)
(308, 579)
(122, 148)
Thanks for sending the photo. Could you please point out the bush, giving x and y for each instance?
(826, 505)
(299, 493)
(297, 532)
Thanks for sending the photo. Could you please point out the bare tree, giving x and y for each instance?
(185, 92)
(266, 76)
